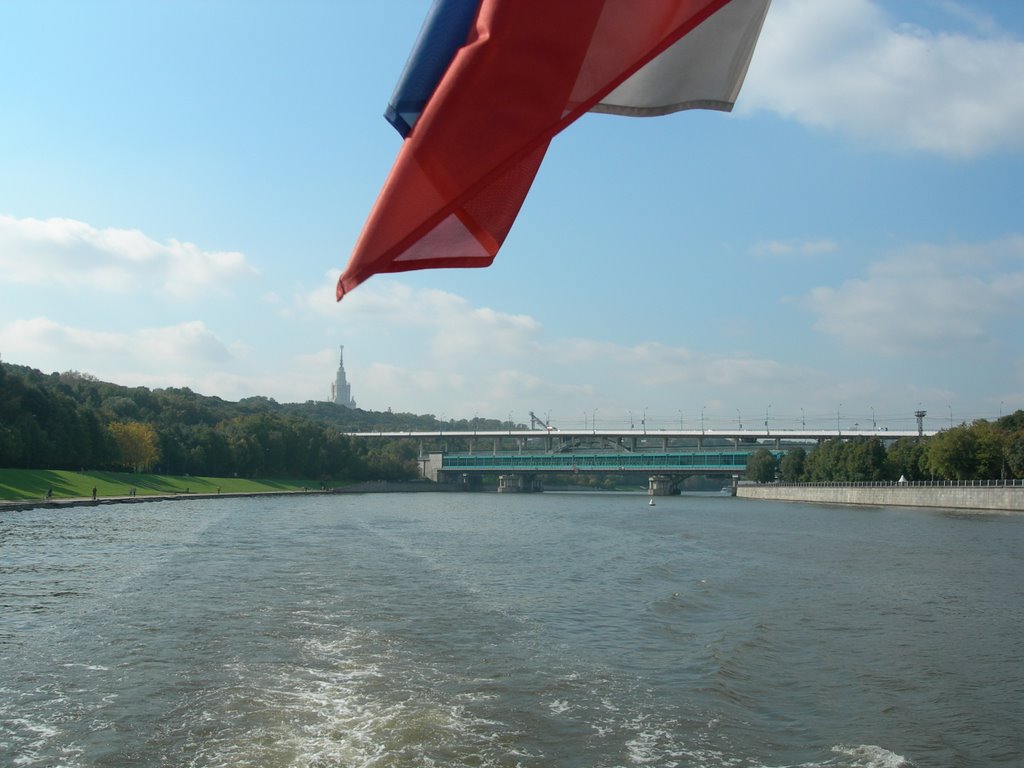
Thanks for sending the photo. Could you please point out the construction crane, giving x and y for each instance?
(535, 420)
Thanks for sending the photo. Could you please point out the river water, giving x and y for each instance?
(500, 630)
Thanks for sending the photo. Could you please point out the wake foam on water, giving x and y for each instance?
(345, 703)
(861, 756)
(867, 756)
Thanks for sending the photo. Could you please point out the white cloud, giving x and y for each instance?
(75, 254)
(385, 385)
(800, 248)
(165, 350)
(845, 65)
(454, 329)
(927, 299)
(426, 350)
(980, 21)
(400, 362)
(187, 354)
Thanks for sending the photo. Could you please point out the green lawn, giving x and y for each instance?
(34, 483)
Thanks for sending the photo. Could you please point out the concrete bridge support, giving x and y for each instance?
(662, 485)
(430, 466)
(519, 483)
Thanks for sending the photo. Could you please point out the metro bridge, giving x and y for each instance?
(519, 456)
(519, 471)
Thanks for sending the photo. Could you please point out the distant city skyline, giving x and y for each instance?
(181, 185)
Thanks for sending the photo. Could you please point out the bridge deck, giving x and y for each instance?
(743, 435)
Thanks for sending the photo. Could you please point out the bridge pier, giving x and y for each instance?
(519, 483)
(662, 485)
(430, 467)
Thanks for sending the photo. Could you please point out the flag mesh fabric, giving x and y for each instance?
(528, 69)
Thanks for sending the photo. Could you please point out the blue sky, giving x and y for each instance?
(182, 182)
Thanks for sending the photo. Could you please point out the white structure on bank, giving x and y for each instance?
(341, 390)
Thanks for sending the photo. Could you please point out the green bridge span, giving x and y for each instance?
(519, 471)
(691, 462)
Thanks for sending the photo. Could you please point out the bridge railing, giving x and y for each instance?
(909, 484)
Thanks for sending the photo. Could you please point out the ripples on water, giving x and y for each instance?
(484, 630)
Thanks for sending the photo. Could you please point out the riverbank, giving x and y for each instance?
(7, 505)
(58, 484)
(983, 496)
(56, 489)
(206, 488)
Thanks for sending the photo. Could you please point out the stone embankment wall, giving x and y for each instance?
(385, 486)
(994, 496)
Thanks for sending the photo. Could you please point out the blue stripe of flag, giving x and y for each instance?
(444, 31)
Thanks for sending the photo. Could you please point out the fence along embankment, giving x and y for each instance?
(979, 495)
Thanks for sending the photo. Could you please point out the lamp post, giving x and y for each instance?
(766, 410)
(702, 418)
(803, 421)
(874, 425)
(739, 419)
(839, 430)
(950, 415)
(643, 422)
(593, 421)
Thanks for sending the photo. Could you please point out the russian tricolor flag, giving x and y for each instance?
(491, 82)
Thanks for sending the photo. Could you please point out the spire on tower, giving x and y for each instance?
(341, 390)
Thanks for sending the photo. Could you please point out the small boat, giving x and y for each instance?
(650, 503)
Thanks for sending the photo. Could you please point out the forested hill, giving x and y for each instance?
(72, 420)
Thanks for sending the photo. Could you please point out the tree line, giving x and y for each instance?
(981, 450)
(72, 420)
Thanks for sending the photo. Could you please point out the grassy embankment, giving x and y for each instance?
(17, 484)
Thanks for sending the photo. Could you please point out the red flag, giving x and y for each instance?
(528, 69)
